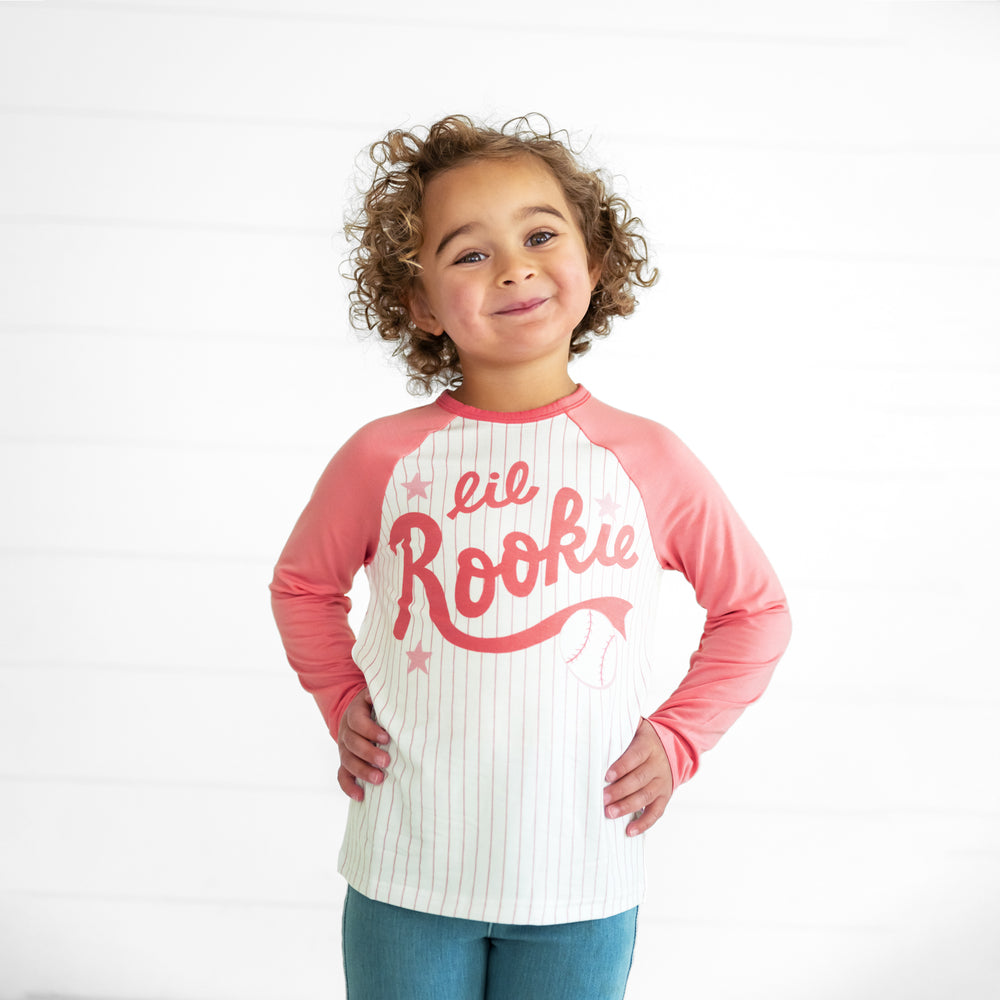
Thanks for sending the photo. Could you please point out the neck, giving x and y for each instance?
(511, 394)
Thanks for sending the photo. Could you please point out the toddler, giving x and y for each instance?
(489, 714)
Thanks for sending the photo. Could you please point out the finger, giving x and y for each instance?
(356, 745)
(627, 762)
(359, 719)
(649, 816)
(351, 788)
(360, 769)
(362, 741)
(640, 776)
(643, 744)
(636, 802)
(369, 729)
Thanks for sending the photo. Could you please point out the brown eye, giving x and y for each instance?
(537, 239)
(473, 257)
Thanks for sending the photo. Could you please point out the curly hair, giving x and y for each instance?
(386, 235)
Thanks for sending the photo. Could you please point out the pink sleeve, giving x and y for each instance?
(334, 537)
(747, 626)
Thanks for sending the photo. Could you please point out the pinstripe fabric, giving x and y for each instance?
(514, 582)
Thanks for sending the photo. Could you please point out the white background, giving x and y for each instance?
(820, 186)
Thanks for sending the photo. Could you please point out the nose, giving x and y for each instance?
(513, 268)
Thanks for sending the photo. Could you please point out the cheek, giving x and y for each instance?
(578, 276)
(461, 300)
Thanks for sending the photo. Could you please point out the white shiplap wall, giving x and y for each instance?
(819, 184)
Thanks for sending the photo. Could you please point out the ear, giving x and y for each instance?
(421, 313)
(595, 272)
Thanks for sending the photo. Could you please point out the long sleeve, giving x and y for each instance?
(332, 539)
(697, 532)
(335, 536)
(747, 624)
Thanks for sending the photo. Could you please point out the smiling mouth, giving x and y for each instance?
(521, 307)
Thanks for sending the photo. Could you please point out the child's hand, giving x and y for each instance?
(360, 757)
(640, 781)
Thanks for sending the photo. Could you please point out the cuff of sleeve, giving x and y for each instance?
(681, 756)
(333, 708)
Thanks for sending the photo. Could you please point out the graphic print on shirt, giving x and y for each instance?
(589, 647)
(575, 534)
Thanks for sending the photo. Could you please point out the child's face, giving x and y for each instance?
(504, 266)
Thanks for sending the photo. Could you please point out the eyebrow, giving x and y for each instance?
(521, 215)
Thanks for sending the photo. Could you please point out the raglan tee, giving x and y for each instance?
(513, 563)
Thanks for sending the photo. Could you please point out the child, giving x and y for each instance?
(488, 716)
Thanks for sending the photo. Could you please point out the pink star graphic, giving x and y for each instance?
(417, 487)
(418, 659)
(608, 507)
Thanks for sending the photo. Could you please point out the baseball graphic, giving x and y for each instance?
(588, 643)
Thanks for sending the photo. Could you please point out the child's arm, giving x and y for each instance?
(330, 542)
(335, 536)
(747, 625)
